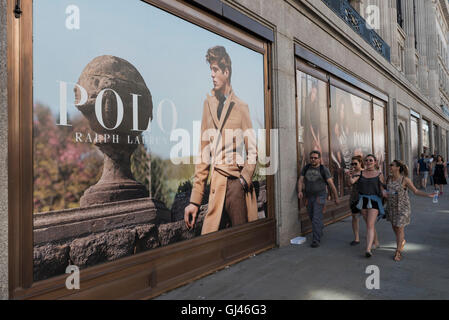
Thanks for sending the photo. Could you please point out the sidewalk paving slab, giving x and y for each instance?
(336, 270)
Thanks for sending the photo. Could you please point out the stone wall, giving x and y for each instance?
(90, 236)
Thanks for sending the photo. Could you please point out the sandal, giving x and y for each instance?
(397, 256)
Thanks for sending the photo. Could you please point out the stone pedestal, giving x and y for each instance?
(119, 107)
(116, 182)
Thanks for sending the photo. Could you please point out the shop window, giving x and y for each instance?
(401, 143)
(350, 127)
(414, 136)
(121, 124)
(399, 19)
(426, 136)
(436, 140)
(120, 102)
(349, 117)
(312, 118)
(379, 135)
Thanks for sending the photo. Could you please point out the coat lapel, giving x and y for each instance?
(213, 107)
(225, 110)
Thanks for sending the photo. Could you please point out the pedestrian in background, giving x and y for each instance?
(313, 180)
(440, 174)
(423, 170)
(370, 187)
(352, 174)
(398, 202)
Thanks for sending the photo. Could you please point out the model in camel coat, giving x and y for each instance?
(221, 156)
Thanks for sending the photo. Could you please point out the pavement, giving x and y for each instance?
(338, 271)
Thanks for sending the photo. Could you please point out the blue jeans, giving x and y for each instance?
(315, 206)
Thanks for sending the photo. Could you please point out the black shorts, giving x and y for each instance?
(373, 204)
(354, 208)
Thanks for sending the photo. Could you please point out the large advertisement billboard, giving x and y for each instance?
(312, 117)
(340, 122)
(350, 126)
(147, 131)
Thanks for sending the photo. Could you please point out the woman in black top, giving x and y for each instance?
(440, 174)
(370, 187)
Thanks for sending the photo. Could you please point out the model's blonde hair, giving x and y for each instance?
(219, 55)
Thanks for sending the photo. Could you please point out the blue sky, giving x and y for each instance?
(168, 52)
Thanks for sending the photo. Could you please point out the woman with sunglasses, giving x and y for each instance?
(398, 204)
(353, 173)
(370, 188)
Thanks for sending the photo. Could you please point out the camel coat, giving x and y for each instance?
(222, 156)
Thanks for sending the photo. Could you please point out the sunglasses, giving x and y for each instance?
(392, 165)
(369, 160)
(354, 164)
(314, 158)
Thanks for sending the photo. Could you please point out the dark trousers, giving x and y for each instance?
(234, 209)
(315, 206)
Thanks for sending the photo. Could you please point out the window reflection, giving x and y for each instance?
(414, 133)
(426, 136)
(312, 118)
(350, 127)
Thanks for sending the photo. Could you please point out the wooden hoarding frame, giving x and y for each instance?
(144, 275)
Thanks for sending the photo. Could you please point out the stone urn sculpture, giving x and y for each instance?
(113, 86)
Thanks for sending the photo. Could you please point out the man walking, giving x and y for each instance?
(314, 179)
(226, 129)
(423, 170)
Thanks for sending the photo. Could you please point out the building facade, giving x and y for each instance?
(417, 34)
(87, 189)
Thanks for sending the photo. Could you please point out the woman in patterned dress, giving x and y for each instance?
(398, 204)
